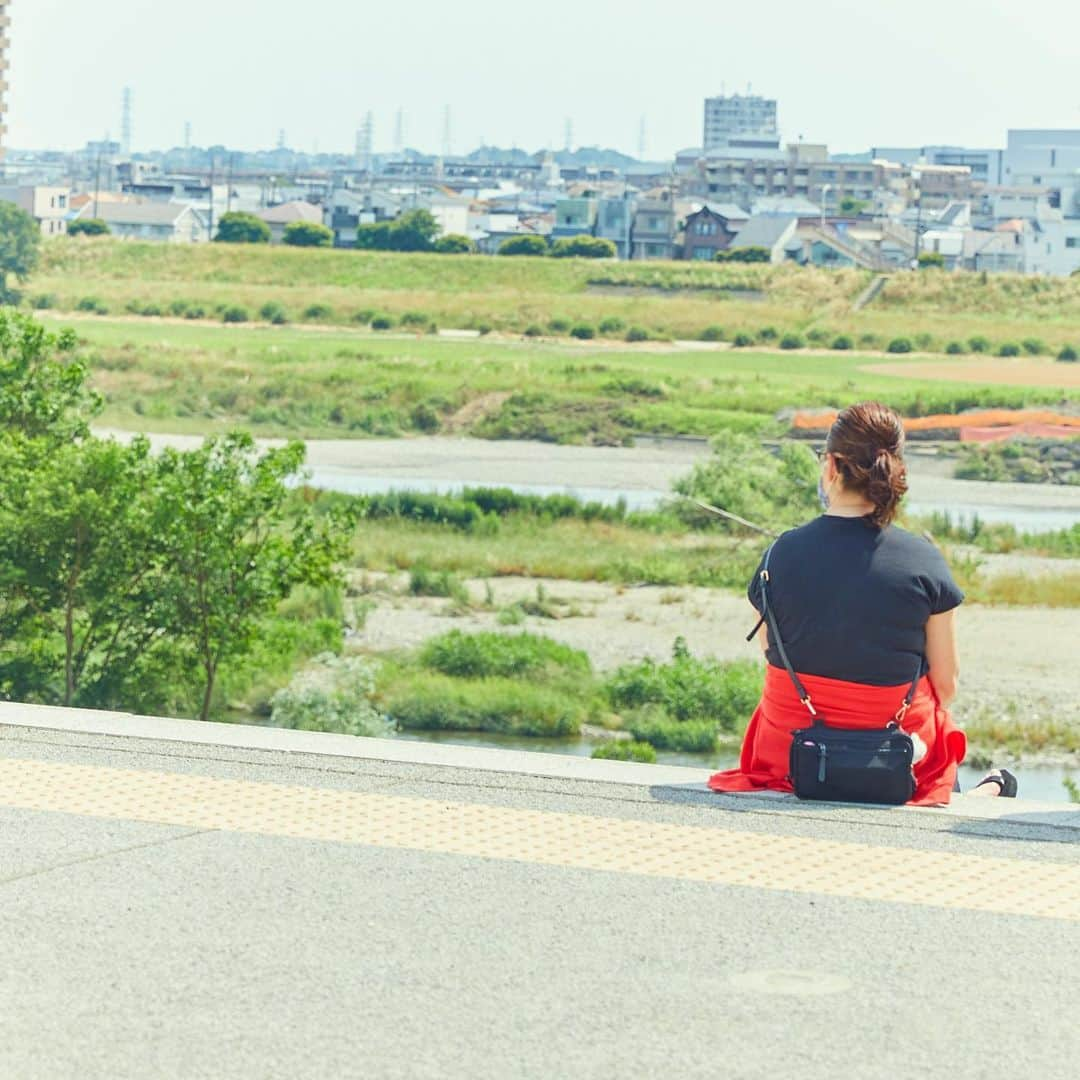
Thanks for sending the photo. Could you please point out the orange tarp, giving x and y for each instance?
(985, 418)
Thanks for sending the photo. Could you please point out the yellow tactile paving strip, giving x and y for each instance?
(691, 852)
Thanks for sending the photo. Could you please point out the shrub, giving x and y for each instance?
(364, 316)
(1034, 346)
(318, 311)
(1067, 354)
(238, 227)
(652, 725)
(900, 345)
(1008, 348)
(273, 312)
(151, 310)
(712, 333)
(843, 342)
(234, 313)
(741, 340)
(625, 750)
(767, 333)
(453, 244)
(931, 260)
(817, 335)
(558, 325)
(637, 333)
(195, 311)
(178, 307)
(92, 304)
(414, 318)
(523, 245)
(979, 344)
(43, 301)
(791, 341)
(307, 234)
(744, 255)
(334, 693)
(582, 331)
(483, 328)
(924, 340)
(583, 247)
(424, 418)
(88, 227)
(955, 348)
(532, 330)
(489, 655)
(612, 325)
(512, 706)
(382, 322)
(425, 582)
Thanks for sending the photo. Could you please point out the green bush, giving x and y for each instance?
(88, 227)
(900, 345)
(178, 307)
(741, 341)
(768, 333)
(791, 341)
(558, 325)
(979, 344)
(489, 655)
(1008, 348)
(712, 333)
(43, 301)
(307, 234)
(612, 325)
(234, 313)
(92, 304)
(382, 322)
(1034, 346)
(152, 310)
(273, 312)
(364, 316)
(453, 244)
(425, 582)
(651, 724)
(523, 245)
(843, 342)
(333, 693)
(625, 750)
(415, 318)
(1067, 354)
(532, 330)
(318, 311)
(583, 247)
(583, 331)
(956, 348)
(637, 333)
(195, 311)
(510, 706)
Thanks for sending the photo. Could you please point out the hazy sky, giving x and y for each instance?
(851, 73)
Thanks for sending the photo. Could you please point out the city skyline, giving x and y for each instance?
(242, 74)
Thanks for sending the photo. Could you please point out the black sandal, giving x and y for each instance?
(1005, 780)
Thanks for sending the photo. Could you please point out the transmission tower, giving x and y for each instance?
(125, 121)
(568, 135)
(399, 131)
(281, 139)
(365, 142)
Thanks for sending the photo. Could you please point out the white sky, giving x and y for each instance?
(852, 73)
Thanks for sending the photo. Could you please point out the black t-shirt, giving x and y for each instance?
(852, 600)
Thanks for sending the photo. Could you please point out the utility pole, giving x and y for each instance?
(210, 223)
(97, 182)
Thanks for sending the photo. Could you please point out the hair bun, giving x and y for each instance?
(858, 430)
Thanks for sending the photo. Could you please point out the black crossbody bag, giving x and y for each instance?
(864, 765)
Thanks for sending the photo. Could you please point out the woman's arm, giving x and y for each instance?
(763, 632)
(942, 655)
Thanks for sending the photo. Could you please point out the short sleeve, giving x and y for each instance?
(941, 588)
(753, 590)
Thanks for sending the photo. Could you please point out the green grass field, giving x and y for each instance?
(669, 300)
(325, 383)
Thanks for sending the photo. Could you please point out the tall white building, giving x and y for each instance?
(733, 115)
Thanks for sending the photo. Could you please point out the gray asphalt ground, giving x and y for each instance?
(144, 950)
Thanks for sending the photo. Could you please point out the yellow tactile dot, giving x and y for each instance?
(692, 852)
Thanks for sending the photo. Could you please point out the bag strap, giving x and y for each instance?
(768, 616)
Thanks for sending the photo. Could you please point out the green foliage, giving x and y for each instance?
(956, 348)
(234, 313)
(625, 750)
(20, 247)
(979, 344)
(850, 205)
(900, 345)
(532, 330)
(523, 245)
(612, 324)
(637, 333)
(792, 341)
(1034, 346)
(651, 724)
(712, 333)
(239, 227)
(425, 582)
(1008, 348)
(1067, 354)
(742, 340)
(583, 332)
(744, 478)
(842, 343)
(42, 301)
(510, 706)
(1072, 789)
(382, 322)
(743, 255)
(582, 247)
(453, 244)
(307, 234)
(318, 311)
(931, 260)
(491, 655)
(333, 693)
(415, 230)
(88, 227)
(274, 312)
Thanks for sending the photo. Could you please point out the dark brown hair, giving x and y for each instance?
(867, 444)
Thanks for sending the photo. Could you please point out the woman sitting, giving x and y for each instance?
(861, 605)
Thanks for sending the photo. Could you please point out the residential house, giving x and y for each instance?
(347, 209)
(653, 235)
(773, 232)
(174, 223)
(280, 217)
(49, 206)
(614, 220)
(711, 229)
(575, 217)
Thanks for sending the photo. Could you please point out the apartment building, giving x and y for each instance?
(729, 115)
(48, 205)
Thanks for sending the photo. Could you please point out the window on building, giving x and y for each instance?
(63, 202)
(1072, 241)
(703, 254)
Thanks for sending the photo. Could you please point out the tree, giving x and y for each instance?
(374, 236)
(234, 546)
(454, 244)
(20, 246)
(850, 205)
(931, 260)
(237, 227)
(523, 245)
(583, 247)
(43, 392)
(94, 226)
(308, 234)
(744, 255)
(412, 231)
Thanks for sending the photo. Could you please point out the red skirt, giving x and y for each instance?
(763, 762)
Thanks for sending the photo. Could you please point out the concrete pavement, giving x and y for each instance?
(186, 900)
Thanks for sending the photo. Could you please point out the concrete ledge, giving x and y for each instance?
(14, 717)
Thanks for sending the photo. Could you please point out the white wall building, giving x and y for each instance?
(50, 206)
(729, 115)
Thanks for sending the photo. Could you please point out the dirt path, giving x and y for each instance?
(1019, 371)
